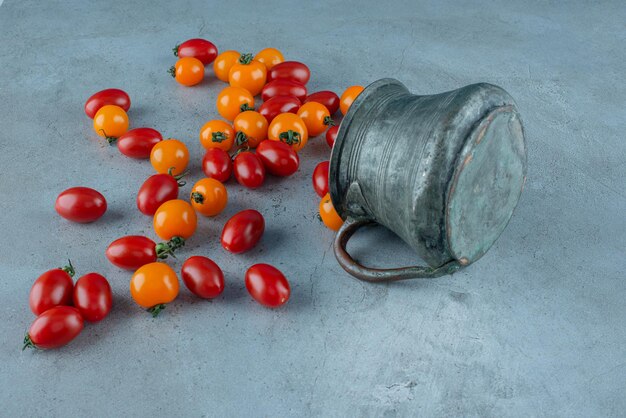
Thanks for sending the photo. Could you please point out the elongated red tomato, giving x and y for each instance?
(53, 288)
(290, 70)
(138, 142)
(197, 48)
(93, 297)
(243, 231)
(203, 277)
(325, 97)
(278, 158)
(156, 190)
(217, 164)
(115, 97)
(284, 87)
(54, 328)
(133, 251)
(277, 105)
(81, 204)
(267, 285)
(249, 170)
(320, 178)
(331, 135)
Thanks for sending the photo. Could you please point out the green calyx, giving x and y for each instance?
(218, 136)
(28, 343)
(172, 71)
(166, 249)
(110, 139)
(245, 107)
(175, 49)
(245, 59)
(197, 197)
(69, 269)
(290, 137)
(156, 309)
(178, 177)
(241, 139)
(328, 121)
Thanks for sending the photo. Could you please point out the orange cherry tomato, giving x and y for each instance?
(153, 286)
(188, 71)
(290, 129)
(316, 117)
(249, 74)
(223, 64)
(217, 134)
(110, 122)
(209, 196)
(251, 128)
(348, 97)
(232, 101)
(270, 57)
(175, 218)
(329, 215)
(167, 154)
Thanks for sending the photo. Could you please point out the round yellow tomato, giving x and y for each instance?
(329, 215)
(153, 285)
(248, 74)
(209, 196)
(290, 129)
(348, 97)
(175, 218)
(223, 64)
(251, 128)
(188, 71)
(316, 117)
(217, 134)
(167, 154)
(270, 57)
(110, 122)
(232, 101)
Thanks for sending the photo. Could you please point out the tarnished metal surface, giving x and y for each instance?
(444, 172)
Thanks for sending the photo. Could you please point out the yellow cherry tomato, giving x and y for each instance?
(188, 71)
(348, 97)
(110, 122)
(153, 285)
(250, 128)
(217, 134)
(329, 215)
(175, 218)
(170, 153)
(248, 73)
(270, 57)
(209, 196)
(316, 117)
(232, 101)
(290, 129)
(223, 64)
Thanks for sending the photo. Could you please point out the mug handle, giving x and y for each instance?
(374, 275)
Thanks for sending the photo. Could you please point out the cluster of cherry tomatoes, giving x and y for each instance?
(247, 144)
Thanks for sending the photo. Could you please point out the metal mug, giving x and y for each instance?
(443, 172)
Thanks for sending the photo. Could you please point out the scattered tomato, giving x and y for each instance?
(278, 158)
(209, 197)
(217, 164)
(153, 286)
(138, 142)
(243, 231)
(290, 70)
(267, 285)
(233, 100)
(316, 117)
(331, 135)
(170, 156)
(329, 215)
(102, 98)
(325, 97)
(223, 63)
(203, 277)
(81, 204)
(248, 74)
(249, 170)
(348, 97)
(175, 218)
(270, 57)
(188, 71)
(320, 178)
(54, 328)
(110, 122)
(277, 105)
(217, 134)
(156, 190)
(250, 128)
(290, 129)
(133, 251)
(53, 288)
(92, 297)
(283, 87)
(200, 49)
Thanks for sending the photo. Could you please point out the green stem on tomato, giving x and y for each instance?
(28, 343)
(197, 197)
(218, 136)
(69, 269)
(245, 107)
(245, 59)
(175, 49)
(290, 137)
(172, 71)
(328, 121)
(111, 139)
(166, 249)
(156, 309)
(241, 138)
(177, 177)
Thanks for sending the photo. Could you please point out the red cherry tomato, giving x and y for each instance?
(267, 285)
(325, 97)
(282, 87)
(249, 170)
(203, 277)
(138, 142)
(133, 251)
(54, 328)
(53, 288)
(93, 297)
(197, 48)
(156, 190)
(81, 204)
(278, 158)
(331, 135)
(115, 97)
(320, 178)
(290, 70)
(243, 231)
(277, 105)
(217, 164)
